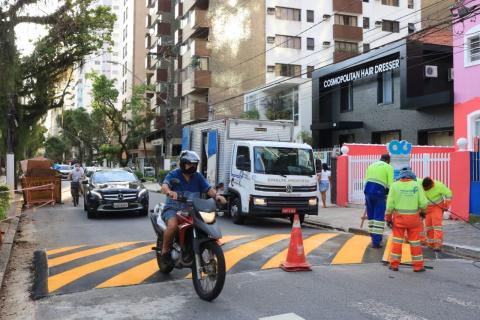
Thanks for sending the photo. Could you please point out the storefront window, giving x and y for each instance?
(385, 88)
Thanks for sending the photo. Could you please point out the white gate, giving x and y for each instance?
(434, 165)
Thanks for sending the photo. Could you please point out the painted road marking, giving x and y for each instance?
(285, 316)
(62, 279)
(352, 251)
(85, 253)
(406, 255)
(61, 250)
(142, 272)
(309, 245)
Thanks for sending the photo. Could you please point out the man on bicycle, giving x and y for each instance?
(192, 184)
(77, 175)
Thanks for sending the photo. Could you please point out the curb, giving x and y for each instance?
(8, 240)
(461, 251)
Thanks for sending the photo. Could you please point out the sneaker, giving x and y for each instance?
(165, 260)
(419, 270)
(377, 246)
(437, 250)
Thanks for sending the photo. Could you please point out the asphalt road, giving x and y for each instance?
(366, 290)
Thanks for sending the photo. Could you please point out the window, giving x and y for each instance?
(411, 28)
(366, 23)
(270, 39)
(384, 137)
(390, 26)
(346, 46)
(271, 11)
(411, 4)
(310, 44)
(202, 63)
(252, 101)
(346, 20)
(365, 1)
(270, 68)
(242, 153)
(288, 42)
(310, 15)
(473, 49)
(346, 97)
(287, 13)
(310, 70)
(385, 88)
(287, 70)
(346, 138)
(366, 47)
(390, 3)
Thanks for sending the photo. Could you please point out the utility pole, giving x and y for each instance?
(12, 123)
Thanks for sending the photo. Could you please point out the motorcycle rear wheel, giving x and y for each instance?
(158, 254)
(213, 272)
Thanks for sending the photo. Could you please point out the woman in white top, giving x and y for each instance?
(324, 178)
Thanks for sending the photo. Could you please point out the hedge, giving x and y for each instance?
(161, 175)
(4, 201)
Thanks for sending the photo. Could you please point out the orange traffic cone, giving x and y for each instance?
(296, 256)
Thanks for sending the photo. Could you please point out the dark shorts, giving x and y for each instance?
(167, 214)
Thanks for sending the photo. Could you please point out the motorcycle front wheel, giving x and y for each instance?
(212, 271)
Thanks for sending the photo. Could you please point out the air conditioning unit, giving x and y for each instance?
(378, 23)
(326, 16)
(450, 74)
(326, 43)
(271, 11)
(270, 39)
(431, 72)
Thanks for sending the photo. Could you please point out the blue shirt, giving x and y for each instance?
(189, 189)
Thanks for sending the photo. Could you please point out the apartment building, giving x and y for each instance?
(302, 36)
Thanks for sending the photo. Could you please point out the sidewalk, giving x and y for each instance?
(459, 237)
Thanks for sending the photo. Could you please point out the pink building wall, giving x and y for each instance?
(466, 78)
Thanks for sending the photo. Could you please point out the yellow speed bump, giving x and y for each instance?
(61, 250)
(309, 245)
(352, 251)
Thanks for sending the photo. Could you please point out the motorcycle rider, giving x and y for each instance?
(192, 183)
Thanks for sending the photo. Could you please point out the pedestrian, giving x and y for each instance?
(406, 205)
(324, 178)
(438, 197)
(378, 178)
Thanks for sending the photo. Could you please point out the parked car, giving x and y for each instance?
(64, 170)
(114, 190)
(149, 171)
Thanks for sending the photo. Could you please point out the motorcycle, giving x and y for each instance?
(195, 246)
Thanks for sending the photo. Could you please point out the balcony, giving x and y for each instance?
(200, 48)
(162, 29)
(196, 81)
(178, 10)
(178, 36)
(164, 6)
(162, 75)
(198, 22)
(197, 111)
(350, 6)
(347, 33)
(160, 123)
(149, 63)
(343, 55)
(188, 4)
(177, 90)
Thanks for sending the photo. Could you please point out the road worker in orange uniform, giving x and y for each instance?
(438, 197)
(406, 203)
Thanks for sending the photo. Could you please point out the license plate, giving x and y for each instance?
(120, 205)
(289, 210)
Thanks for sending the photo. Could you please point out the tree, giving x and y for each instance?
(278, 108)
(305, 136)
(55, 148)
(29, 86)
(250, 114)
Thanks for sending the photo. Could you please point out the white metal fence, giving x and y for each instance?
(434, 165)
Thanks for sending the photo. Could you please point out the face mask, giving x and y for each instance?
(190, 170)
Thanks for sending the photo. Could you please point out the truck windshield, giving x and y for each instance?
(284, 161)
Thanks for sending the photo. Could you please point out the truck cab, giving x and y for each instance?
(272, 179)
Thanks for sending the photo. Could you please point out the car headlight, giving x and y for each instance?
(259, 201)
(208, 217)
(312, 202)
(142, 192)
(96, 194)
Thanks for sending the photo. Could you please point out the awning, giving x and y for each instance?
(340, 125)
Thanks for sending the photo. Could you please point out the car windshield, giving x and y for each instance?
(65, 168)
(284, 161)
(114, 176)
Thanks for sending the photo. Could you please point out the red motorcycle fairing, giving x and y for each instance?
(184, 224)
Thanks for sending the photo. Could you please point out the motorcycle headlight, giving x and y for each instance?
(259, 202)
(312, 202)
(142, 193)
(207, 217)
(96, 194)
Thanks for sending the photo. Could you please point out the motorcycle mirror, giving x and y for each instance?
(175, 181)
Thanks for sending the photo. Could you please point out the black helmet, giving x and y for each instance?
(189, 157)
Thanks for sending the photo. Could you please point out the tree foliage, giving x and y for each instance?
(31, 83)
(55, 148)
(250, 114)
(278, 108)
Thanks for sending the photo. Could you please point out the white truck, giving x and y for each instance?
(264, 173)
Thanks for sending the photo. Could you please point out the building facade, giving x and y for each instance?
(302, 36)
(403, 90)
(466, 59)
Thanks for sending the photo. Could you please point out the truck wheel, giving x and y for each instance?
(236, 211)
(301, 217)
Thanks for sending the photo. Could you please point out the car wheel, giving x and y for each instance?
(236, 211)
(91, 213)
(84, 204)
